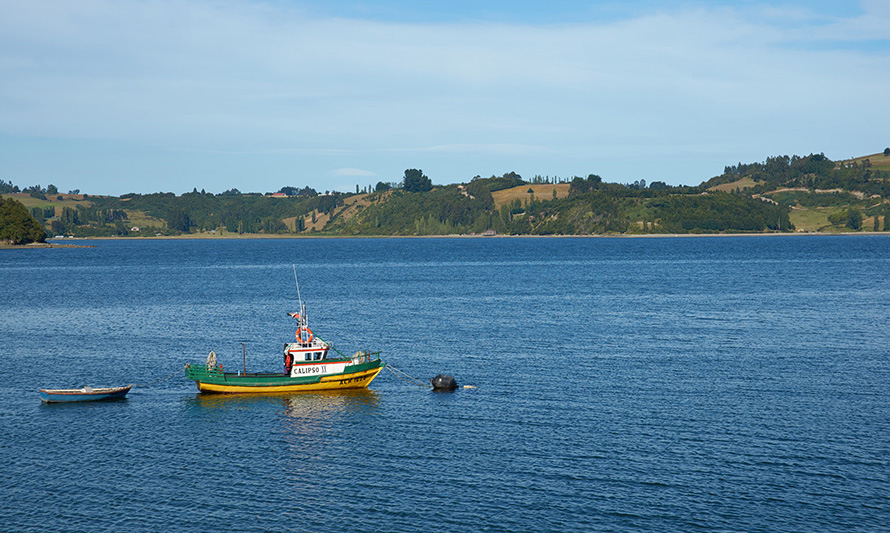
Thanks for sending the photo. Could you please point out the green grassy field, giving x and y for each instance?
(68, 200)
(878, 161)
(811, 219)
(744, 183)
(139, 219)
(542, 192)
(815, 219)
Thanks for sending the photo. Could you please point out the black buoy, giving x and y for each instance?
(443, 382)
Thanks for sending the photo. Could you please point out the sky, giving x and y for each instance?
(120, 96)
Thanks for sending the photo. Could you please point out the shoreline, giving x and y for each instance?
(42, 246)
(63, 243)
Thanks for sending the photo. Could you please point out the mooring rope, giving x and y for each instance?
(404, 375)
(332, 347)
(160, 380)
(407, 377)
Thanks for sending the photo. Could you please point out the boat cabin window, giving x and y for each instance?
(317, 356)
(308, 356)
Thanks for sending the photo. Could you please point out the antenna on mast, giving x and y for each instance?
(300, 298)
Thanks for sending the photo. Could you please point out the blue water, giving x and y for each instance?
(728, 384)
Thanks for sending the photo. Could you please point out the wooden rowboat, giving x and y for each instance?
(83, 394)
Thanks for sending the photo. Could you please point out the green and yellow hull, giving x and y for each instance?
(353, 376)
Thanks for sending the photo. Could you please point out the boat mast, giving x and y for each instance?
(302, 321)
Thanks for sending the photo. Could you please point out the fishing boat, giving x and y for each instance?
(310, 364)
(83, 394)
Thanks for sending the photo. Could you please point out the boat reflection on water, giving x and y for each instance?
(301, 413)
(308, 413)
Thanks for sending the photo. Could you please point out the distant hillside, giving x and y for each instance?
(823, 195)
(166, 214)
(780, 194)
(583, 207)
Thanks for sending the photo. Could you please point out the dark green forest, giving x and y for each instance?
(17, 226)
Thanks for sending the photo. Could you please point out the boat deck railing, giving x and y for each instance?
(365, 357)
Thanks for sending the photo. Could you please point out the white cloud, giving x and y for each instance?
(500, 149)
(265, 80)
(346, 172)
